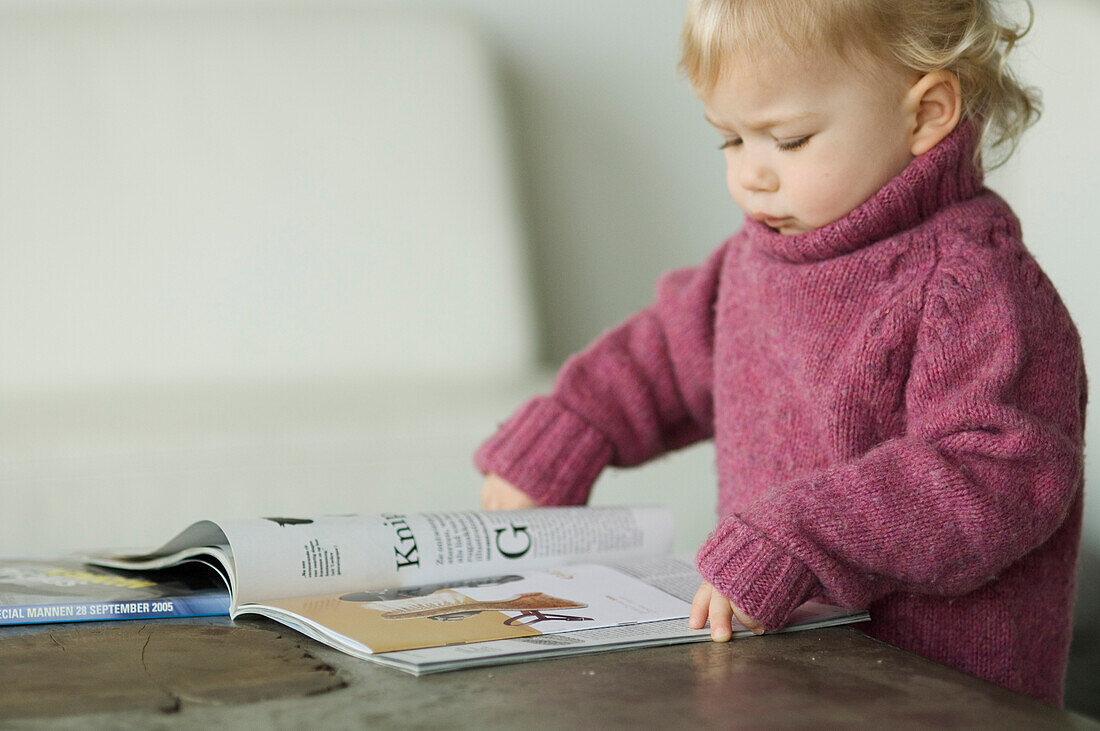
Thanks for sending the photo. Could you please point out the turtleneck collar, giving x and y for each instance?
(940, 177)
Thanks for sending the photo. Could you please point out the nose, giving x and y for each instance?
(756, 175)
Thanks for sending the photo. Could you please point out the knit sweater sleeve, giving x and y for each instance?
(986, 471)
(638, 391)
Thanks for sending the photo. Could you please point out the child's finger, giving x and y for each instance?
(748, 622)
(700, 606)
(721, 618)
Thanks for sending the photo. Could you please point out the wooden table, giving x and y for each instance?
(252, 673)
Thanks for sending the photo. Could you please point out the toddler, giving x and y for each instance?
(895, 390)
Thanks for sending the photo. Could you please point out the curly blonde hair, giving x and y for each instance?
(966, 37)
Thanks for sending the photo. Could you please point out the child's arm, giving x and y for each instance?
(987, 470)
(640, 390)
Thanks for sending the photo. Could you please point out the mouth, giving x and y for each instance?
(775, 222)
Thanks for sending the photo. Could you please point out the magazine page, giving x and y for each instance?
(674, 574)
(522, 604)
(293, 557)
(66, 590)
(812, 615)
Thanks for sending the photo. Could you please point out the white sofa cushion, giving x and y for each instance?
(258, 258)
(240, 190)
(129, 468)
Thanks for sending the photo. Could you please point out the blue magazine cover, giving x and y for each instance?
(68, 590)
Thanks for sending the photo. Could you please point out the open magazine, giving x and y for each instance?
(397, 583)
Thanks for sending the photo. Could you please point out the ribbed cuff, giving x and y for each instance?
(548, 452)
(755, 574)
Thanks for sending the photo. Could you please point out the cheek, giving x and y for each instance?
(732, 185)
(825, 193)
(827, 203)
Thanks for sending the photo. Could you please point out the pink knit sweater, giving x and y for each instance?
(897, 401)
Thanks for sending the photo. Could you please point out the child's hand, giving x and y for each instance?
(709, 603)
(499, 494)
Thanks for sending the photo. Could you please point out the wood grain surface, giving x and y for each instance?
(138, 666)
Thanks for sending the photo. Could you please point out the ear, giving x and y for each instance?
(934, 105)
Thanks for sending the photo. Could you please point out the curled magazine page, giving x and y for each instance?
(294, 557)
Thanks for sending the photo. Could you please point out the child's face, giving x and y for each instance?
(807, 141)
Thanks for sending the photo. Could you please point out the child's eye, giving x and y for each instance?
(731, 142)
(790, 145)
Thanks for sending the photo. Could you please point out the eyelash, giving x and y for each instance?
(791, 145)
(785, 146)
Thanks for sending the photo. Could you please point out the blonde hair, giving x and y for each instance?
(965, 37)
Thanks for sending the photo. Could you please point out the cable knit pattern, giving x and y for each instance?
(897, 401)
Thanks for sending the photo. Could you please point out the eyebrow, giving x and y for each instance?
(764, 123)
